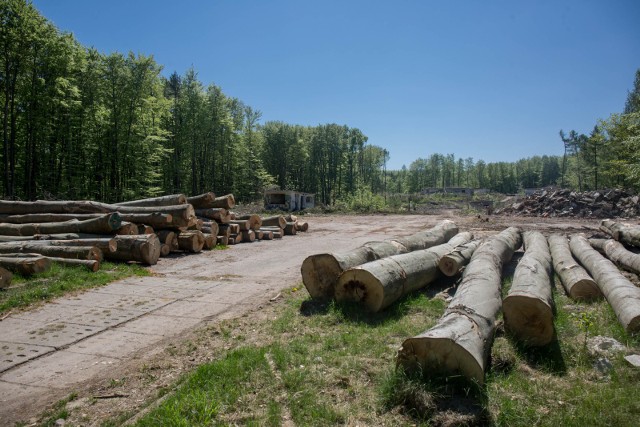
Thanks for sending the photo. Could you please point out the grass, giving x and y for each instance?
(330, 364)
(61, 280)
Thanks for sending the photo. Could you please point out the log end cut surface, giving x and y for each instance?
(448, 266)
(360, 286)
(319, 274)
(530, 319)
(585, 290)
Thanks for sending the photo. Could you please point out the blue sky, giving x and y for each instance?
(492, 80)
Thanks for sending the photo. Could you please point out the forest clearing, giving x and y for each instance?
(293, 359)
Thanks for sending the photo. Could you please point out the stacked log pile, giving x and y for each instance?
(567, 203)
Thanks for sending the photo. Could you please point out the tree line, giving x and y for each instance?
(80, 124)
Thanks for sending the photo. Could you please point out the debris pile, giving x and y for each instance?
(567, 203)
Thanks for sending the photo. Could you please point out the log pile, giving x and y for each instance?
(567, 203)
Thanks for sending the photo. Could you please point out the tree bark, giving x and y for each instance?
(266, 235)
(617, 253)
(461, 341)
(254, 221)
(379, 283)
(243, 225)
(40, 247)
(143, 248)
(290, 229)
(528, 307)
(576, 281)
(274, 221)
(171, 200)
(91, 264)
(452, 263)
(219, 215)
(202, 200)
(622, 295)
(248, 235)
(25, 265)
(320, 272)
(191, 241)
(152, 219)
(627, 234)
(127, 229)
(209, 241)
(302, 226)
(5, 278)
(227, 201)
(105, 224)
(106, 245)
(211, 227)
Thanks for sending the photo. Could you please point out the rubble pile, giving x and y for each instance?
(567, 203)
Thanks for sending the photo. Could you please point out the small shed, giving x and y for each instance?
(288, 200)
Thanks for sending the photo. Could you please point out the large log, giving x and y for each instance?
(5, 278)
(617, 253)
(107, 244)
(104, 224)
(127, 229)
(461, 341)
(227, 201)
(223, 240)
(378, 284)
(152, 219)
(290, 229)
(302, 226)
(576, 281)
(211, 227)
(528, 308)
(243, 224)
(451, 264)
(255, 222)
(274, 221)
(40, 247)
(209, 241)
(143, 248)
(170, 200)
(265, 235)
(91, 264)
(25, 265)
(320, 272)
(191, 241)
(622, 295)
(248, 235)
(219, 215)
(627, 234)
(202, 200)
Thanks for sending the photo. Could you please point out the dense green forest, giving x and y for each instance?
(77, 124)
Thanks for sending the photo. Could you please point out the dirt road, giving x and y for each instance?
(75, 344)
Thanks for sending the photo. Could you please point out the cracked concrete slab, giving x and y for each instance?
(13, 354)
(116, 343)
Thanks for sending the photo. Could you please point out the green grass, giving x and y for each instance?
(330, 364)
(61, 280)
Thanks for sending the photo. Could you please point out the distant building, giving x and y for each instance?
(288, 200)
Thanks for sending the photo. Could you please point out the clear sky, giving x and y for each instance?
(492, 80)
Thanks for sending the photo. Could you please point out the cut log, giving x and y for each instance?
(171, 200)
(5, 278)
(379, 283)
(265, 235)
(202, 200)
(144, 229)
(622, 295)
(255, 222)
(617, 253)
(290, 229)
(220, 215)
(291, 218)
(271, 228)
(211, 228)
(150, 219)
(461, 341)
(302, 226)
(320, 272)
(227, 202)
(127, 229)
(167, 237)
(576, 281)
(107, 244)
(452, 263)
(243, 224)
(223, 231)
(104, 224)
(274, 221)
(209, 241)
(248, 236)
(237, 238)
(223, 240)
(90, 264)
(143, 248)
(165, 249)
(528, 307)
(627, 234)
(191, 241)
(25, 265)
(276, 234)
(40, 247)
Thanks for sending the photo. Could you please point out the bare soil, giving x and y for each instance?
(141, 382)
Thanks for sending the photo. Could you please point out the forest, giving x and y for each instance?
(80, 124)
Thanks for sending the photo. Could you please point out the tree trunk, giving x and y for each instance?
(127, 229)
(191, 241)
(171, 200)
(379, 283)
(461, 341)
(266, 235)
(575, 279)
(143, 248)
(202, 200)
(528, 307)
(5, 278)
(223, 240)
(209, 241)
(40, 247)
(144, 229)
(149, 219)
(254, 221)
(106, 245)
(91, 264)
(211, 228)
(165, 249)
(302, 226)
(248, 235)
(219, 215)
(627, 234)
(617, 253)
(105, 224)
(290, 229)
(274, 221)
(25, 265)
(622, 295)
(243, 225)
(226, 201)
(452, 263)
(320, 272)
